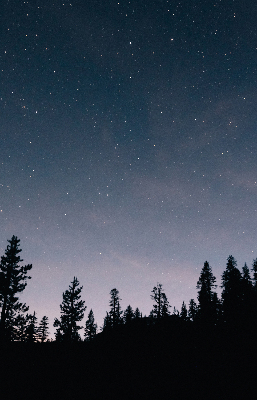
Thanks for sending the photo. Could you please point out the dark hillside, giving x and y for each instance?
(168, 360)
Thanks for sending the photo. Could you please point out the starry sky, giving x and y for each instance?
(128, 145)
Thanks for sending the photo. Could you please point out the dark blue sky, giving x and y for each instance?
(128, 145)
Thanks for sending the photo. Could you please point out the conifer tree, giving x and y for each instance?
(206, 284)
(128, 315)
(31, 331)
(161, 305)
(43, 331)
(91, 327)
(72, 311)
(13, 280)
(192, 310)
(232, 291)
(183, 313)
(115, 313)
(137, 314)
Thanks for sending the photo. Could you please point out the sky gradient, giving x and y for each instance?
(128, 145)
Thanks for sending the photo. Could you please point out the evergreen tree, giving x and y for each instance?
(137, 314)
(205, 284)
(72, 311)
(192, 310)
(128, 315)
(31, 331)
(183, 313)
(232, 292)
(43, 329)
(13, 280)
(91, 326)
(115, 313)
(161, 305)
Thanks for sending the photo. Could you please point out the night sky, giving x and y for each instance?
(128, 145)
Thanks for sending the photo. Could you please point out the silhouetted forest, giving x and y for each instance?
(205, 350)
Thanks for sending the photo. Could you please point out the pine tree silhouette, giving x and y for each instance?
(13, 280)
(232, 291)
(91, 327)
(161, 305)
(115, 311)
(43, 331)
(206, 284)
(72, 311)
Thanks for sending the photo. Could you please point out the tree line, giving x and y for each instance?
(237, 305)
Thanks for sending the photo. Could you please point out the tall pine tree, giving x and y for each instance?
(115, 313)
(192, 310)
(31, 331)
(183, 312)
(72, 311)
(206, 284)
(137, 314)
(128, 315)
(13, 280)
(232, 292)
(161, 305)
(91, 327)
(43, 329)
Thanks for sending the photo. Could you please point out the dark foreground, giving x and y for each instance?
(159, 362)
